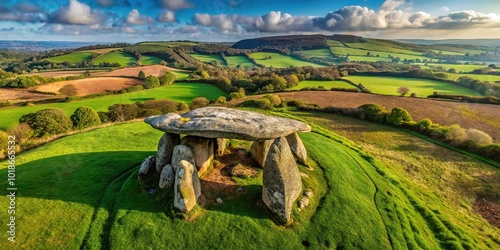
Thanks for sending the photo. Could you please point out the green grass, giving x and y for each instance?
(326, 84)
(481, 77)
(455, 49)
(167, 44)
(239, 60)
(123, 58)
(208, 58)
(334, 43)
(320, 53)
(342, 52)
(180, 74)
(368, 59)
(74, 57)
(79, 192)
(458, 67)
(184, 92)
(280, 61)
(444, 52)
(421, 87)
(150, 60)
(382, 47)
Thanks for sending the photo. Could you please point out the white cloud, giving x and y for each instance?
(391, 5)
(175, 4)
(76, 13)
(134, 17)
(444, 9)
(166, 16)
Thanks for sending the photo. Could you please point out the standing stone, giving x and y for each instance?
(187, 187)
(147, 166)
(181, 152)
(281, 180)
(297, 147)
(220, 146)
(167, 177)
(203, 150)
(165, 147)
(259, 151)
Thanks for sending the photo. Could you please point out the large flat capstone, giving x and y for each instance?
(218, 122)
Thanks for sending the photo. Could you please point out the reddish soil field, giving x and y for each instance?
(21, 95)
(155, 70)
(55, 74)
(92, 85)
(485, 117)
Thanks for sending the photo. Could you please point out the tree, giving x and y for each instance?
(167, 78)
(398, 117)
(85, 117)
(403, 90)
(47, 122)
(152, 82)
(142, 75)
(199, 102)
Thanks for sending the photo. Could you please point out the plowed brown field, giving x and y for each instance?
(94, 85)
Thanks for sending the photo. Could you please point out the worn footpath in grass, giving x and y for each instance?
(181, 92)
(123, 58)
(74, 57)
(277, 60)
(421, 87)
(326, 84)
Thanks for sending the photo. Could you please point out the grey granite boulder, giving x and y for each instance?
(218, 122)
(181, 152)
(259, 150)
(203, 151)
(165, 148)
(281, 180)
(187, 186)
(297, 147)
(167, 177)
(147, 166)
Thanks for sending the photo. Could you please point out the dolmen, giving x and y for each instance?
(180, 162)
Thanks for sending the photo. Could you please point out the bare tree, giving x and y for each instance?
(403, 90)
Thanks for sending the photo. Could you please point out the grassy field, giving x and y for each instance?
(334, 43)
(481, 77)
(178, 92)
(150, 60)
(239, 60)
(208, 58)
(167, 44)
(381, 54)
(280, 61)
(124, 59)
(326, 84)
(320, 53)
(421, 87)
(382, 47)
(457, 67)
(74, 57)
(87, 196)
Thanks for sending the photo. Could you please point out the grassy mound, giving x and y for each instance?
(123, 58)
(82, 192)
(74, 57)
(280, 61)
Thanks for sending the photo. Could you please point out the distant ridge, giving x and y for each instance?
(477, 42)
(294, 41)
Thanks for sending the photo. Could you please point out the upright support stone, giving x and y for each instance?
(203, 151)
(187, 187)
(297, 147)
(181, 152)
(281, 180)
(147, 166)
(167, 177)
(165, 148)
(259, 151)
(220, 146)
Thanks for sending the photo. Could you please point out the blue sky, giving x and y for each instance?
(232, 20)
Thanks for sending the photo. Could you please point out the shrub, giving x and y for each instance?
(455, 134)
(123, 112)
(149, 112)
(164, 106)
(274, 99)
(142, 75)
(85, 117)
(220, 100)
(263, 103)
(398, 117)
(22, 132)
(199, 102)
(167, 78)
(478, 137)
(47, 122)
(103, 116)
(182, 107)
(295, 103)
(236, 95)
(4, 137)
(151, 82)
(372, 112)
(424, 124)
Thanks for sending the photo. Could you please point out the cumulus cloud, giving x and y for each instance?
(175, 4)
(274, 21)
(134, 17)
(27, 7)
(463, 20)
(76, 13)
(391, 5)
(166, 16)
